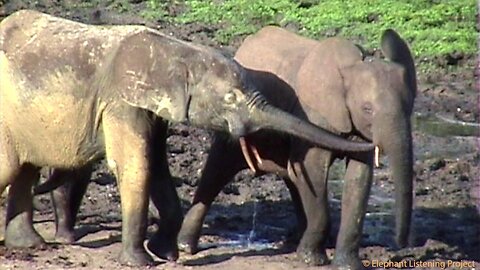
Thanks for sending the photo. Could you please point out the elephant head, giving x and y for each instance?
(380, 97)
(375, 100)
(182, 82)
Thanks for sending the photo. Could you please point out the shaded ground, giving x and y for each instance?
(252, 220)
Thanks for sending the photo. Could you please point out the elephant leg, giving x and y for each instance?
(297, 203)
(127, 138)
(308, 169)
(20, 232)
(67, 199)
(77, 189)
(224, 161)
(356, 189)
(63, 223)
(164, 197)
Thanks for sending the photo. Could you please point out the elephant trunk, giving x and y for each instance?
(265, 116)
(396, 141)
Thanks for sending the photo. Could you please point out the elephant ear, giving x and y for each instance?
(147, 73)
(396, 50)
(319, 83)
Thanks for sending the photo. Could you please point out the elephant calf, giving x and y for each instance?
(72, 93)
(331, 84)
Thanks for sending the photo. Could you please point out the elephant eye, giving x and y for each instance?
(367, 108)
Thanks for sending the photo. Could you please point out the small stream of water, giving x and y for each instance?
(252, 234)
(246, 240)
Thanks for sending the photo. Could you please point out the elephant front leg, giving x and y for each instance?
(358, 180)
(20, 232)
(224, 161)
(308, 169)
(127, 152)
(134, 204)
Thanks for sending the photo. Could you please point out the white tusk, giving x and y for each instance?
(246, 154)
(256, 155)
(377, 154)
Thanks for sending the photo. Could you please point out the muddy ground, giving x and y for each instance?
(252, 220)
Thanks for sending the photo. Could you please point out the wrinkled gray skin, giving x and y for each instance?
(72, 93)
(366, 100)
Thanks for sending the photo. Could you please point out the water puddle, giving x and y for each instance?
(246, 240)
(381, 201)
(241, 242)
(379, 216)
(441, 126)
(380, 198)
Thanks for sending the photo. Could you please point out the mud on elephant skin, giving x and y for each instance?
(71, 93)
(331, 84)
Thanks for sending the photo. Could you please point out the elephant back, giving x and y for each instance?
(319, 85)
(275, 50)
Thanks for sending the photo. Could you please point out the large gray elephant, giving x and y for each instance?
(72, 93)
(361, 99)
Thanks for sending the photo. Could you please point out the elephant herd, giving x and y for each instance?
(71, 94)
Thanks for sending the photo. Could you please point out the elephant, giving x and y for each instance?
(361, 99)
(72, 93)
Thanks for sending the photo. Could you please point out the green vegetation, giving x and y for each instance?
(155, 10)
(432, 27)
(121, 5)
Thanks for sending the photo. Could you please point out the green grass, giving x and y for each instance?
(155, 10)
(432, 27)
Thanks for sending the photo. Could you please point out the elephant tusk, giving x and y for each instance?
(255, 154)
(246, 154)
(377, 153)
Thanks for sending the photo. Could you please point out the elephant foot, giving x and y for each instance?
(164, 247)
(16, 237)
(351, 261)
(135, 257)
(64, 236)
(188, 243)
(191, 229)
(312, 257)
